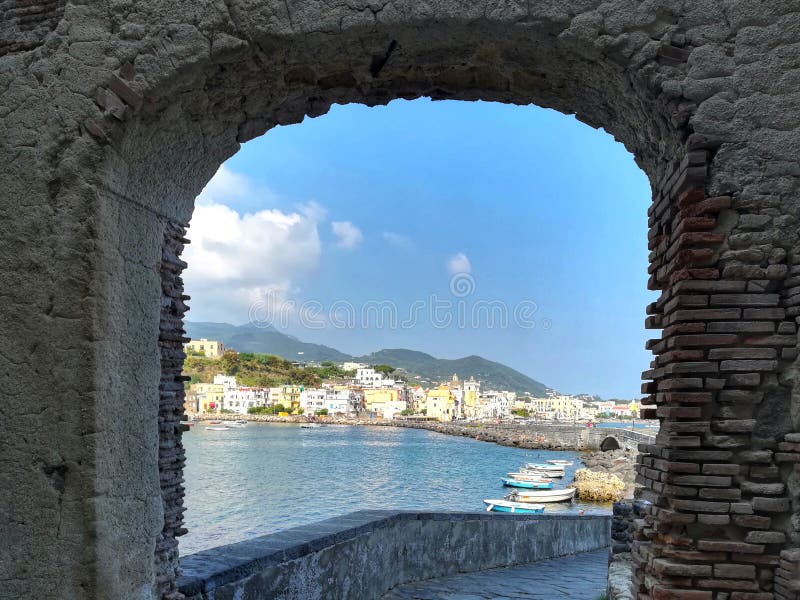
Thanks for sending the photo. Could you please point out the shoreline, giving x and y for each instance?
(528, 437)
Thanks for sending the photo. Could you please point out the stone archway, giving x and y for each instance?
(610, 443)
(115, 116)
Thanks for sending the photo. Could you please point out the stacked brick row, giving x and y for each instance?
(625, 512)
(171, 458)
(715, 529)
(787, 574)
(25, 23)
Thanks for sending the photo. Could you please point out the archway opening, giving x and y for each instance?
(610, 443)
(335, 231)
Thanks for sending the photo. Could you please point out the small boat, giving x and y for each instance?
(565, 495)
(528, 477)
(310, 425)
(546, 474)
(529, 485)
(499, 505)
(559, 462)
(552, 471)
(217, 428)
(543, 467)
(237, 423)
(214, 422)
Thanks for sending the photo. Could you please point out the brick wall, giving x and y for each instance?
(716, 475)
(171, 456)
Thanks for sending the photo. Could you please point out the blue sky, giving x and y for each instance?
(540, 216)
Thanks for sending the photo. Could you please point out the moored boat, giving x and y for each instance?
(528, 477)
(559, 462)
(563, 495)
(544, 466)
(217, 428)
(237, 423)
(530, 485)
(547, 474)
(500, 505)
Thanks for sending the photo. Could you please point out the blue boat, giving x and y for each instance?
(519, 508)
(530, 485)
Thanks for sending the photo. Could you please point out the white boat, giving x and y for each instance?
(559, 462)
(498, 505)
(218, 428)
(565, 495)
(543, 472)
(528, 477)
(310, 425)
(544, 467)
(237, 423)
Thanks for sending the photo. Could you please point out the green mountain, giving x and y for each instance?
(493, 375)
(249, 338)
(418, 367)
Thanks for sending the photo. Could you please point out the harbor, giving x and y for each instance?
(261, 478)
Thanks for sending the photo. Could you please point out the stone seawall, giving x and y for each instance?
(534, 436)
(364, 554)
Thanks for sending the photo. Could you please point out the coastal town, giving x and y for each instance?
(376, 391)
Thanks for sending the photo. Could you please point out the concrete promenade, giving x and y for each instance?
(577, 577)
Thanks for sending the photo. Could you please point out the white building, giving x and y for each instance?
(368, 377)
(353, 366)
(334, 400)
(239, 399)
(341, 401)
(494, 405)
(393, 408)
(228, 382)
(313, 400)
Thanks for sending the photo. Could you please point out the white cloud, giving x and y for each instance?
(229, 187)
(459, 263)
(235, 259)
(349, 236)
(397, 239)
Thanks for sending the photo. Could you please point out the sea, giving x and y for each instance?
(261, 478)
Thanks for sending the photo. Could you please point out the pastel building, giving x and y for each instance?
(208, 348)
(207, 397)
(384, 402)
(440, 403)
(287, 395)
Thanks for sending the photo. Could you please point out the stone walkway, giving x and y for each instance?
(577, 577)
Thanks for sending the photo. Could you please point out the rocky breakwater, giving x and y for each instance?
(619, 463)
(529, 436)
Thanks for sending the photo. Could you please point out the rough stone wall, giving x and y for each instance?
(114, 116)
(25, 23)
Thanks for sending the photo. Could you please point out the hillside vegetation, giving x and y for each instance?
(417, 367)
(258, 370)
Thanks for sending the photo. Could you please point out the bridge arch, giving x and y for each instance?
(116, 119)
(610, 443)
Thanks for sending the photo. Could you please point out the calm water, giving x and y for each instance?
(261, 478)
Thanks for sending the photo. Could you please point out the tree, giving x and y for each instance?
(230, 363)
(322, 412)
(385, 369)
